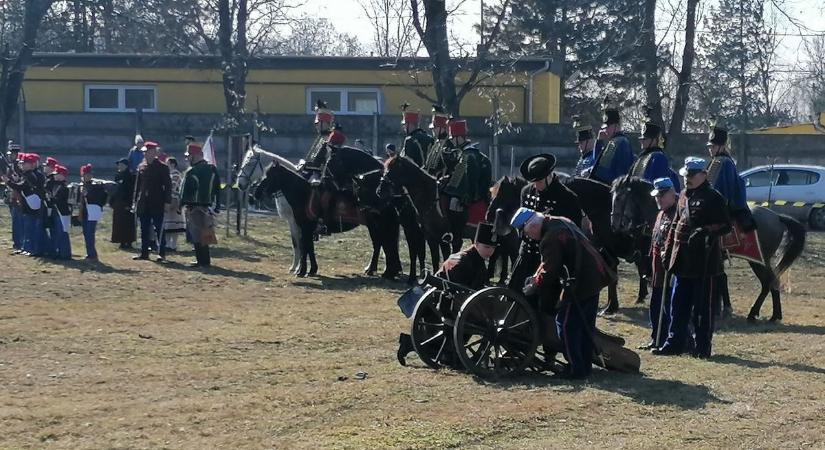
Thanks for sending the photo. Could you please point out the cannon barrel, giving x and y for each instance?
(443, 284)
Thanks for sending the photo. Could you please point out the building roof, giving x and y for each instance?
(268, 62)
(813, 127)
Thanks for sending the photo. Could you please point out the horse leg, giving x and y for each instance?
(304, 250)
(643, 265)
(389, 235)
(612, 299)
(313, 264)
(435, 255)
(374, 233)
(777, 304)
(765, 279)
(724, 293)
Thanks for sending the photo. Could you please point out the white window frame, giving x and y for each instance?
(121, 97)
(343, 91)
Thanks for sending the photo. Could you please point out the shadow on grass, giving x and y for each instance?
(636, 387)
(736, 360)
(350, 282)
(636, 316)
(224, 272)
(246, 256)
(740, 324)
(98, 266)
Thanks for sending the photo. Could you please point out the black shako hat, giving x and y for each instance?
(650, 129)
(718, 133)
(485, 234)
(583, 132)
(538, 167)
(610, 112)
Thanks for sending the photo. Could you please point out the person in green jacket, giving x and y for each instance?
(199, 190)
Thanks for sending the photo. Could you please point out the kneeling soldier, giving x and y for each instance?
(570, 278)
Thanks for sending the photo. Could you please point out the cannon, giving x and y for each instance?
(493, 333)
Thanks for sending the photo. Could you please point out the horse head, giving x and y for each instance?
(250, 165)
(633, 209)
(365, 186)
(505, 195)
(391, 179)
(269, 184)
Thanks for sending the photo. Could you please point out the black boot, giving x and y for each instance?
(197, 261)
(206, 258)
(405, 346)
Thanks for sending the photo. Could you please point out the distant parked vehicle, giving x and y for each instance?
(795, 190)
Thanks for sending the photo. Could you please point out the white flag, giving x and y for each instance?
(209, 151)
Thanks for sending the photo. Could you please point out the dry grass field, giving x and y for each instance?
(124, 354)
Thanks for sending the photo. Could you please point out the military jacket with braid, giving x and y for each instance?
(417, 146)
(556, 200)
(471, 180)
(317, 155)
(614, 159)
(441, 159)
(664, 221)
(723, 176)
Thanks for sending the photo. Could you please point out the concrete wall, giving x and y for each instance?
(102, 138)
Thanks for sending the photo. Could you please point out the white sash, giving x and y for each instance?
(66, 222)
(33, 201)
(93, 213)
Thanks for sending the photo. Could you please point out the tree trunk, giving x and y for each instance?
(16, 68)
(650, 60)
(680, 105)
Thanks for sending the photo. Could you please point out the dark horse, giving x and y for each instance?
(366, 186)
(596, 200)
(632, 211)
(402, 173)
(341, 170)
(506, 197)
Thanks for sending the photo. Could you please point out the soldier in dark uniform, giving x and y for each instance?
(665, 193)
(571, 276)
(469, 184)
(49, 233)
(123, 219)
(198, 192)
(153, 191)
(417, 142)
(61, 214)
(13, 197)
(693, 255)
(652, 162)
(317, 154)
(92, 198)
(584, 142)
(441, 159)
(545, 193)
(724, 177)
(31, 188)
(614, 156)
(468, 268)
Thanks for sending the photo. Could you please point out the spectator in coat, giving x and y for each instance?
(153, 191)
(123, 219)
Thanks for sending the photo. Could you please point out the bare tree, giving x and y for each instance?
(14, 68)
(683, 75)
(393, 35)
(434, 35)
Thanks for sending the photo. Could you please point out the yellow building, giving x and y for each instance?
(815, 127)
(527, 90)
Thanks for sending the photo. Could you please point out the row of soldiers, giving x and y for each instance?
(685, 245)
(446, 152)
(43, 207)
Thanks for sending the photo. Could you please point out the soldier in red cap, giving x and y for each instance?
(61, 214)
(49, 231)
(153, 191)
(417, 143)
(91, 198)
(12, 197)
(31, 187)
(317, 155)
(441, 158)
(469, 184)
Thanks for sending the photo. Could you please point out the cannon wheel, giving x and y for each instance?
(496, 333)
(431, 332)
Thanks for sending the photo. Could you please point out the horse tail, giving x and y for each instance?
(795, 245)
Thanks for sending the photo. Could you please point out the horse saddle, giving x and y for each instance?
(337, 209)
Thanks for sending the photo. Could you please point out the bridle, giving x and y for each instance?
(247, 169)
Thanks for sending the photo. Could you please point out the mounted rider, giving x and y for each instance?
(652, 162)
(468, 188)
(614, 156)
(417, 142)
(317, 155)
(441, 159)
(584, 142)
(693, 254)
(546, 194)
(724, 177)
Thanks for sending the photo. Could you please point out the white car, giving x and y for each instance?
(795, 190)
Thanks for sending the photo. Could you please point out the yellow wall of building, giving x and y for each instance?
(283, 91)
(802, 128)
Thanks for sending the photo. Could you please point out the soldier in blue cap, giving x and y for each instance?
(569, 280)
(693, 255)
(614, 154)
(665, 193)
(652, 162)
